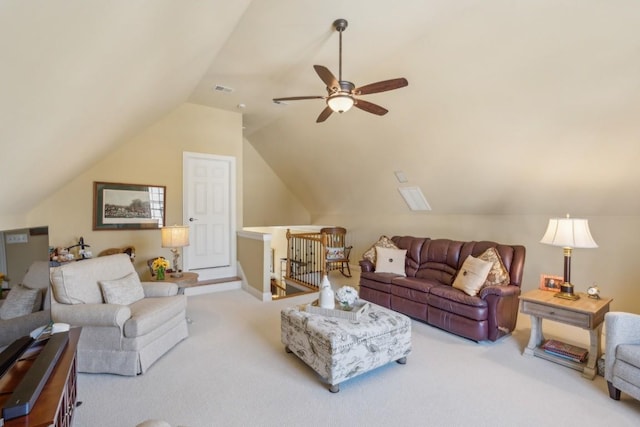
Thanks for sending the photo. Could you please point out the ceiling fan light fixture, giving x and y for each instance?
(340, 102)
(341, 94)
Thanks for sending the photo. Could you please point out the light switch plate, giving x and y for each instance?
(17, 238)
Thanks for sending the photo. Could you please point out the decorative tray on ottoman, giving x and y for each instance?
(359, 307)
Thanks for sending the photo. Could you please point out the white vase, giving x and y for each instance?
(326, 298)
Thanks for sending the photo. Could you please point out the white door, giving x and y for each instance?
(209, 210)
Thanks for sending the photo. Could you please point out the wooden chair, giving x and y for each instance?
(336, 252)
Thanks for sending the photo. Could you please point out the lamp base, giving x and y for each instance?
(566, 292)
(565, 295)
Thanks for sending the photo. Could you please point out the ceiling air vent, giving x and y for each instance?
(224, 89)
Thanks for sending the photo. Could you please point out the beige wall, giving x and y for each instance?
(152, 157)
(254, 257)
(267, 200)
(612, 266)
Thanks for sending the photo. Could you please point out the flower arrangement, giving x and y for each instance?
(346, 296)
(160, 265)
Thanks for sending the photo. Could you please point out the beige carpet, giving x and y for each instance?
(233, 371)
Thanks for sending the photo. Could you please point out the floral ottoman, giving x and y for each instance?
(339, 349)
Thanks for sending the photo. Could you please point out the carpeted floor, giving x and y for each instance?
(233, 371)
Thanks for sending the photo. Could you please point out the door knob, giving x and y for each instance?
(193, 219)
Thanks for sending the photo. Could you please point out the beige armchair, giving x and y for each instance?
(126, 324)
(622, 354)
(36, 277)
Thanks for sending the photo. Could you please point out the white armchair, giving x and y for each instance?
(126, 324)
(622, 354)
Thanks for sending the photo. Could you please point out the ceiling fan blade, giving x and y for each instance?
(327, 76)
(382, 86)
(370, 107)
(297, 98)
(324, 115)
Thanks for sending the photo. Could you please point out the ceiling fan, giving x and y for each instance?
(341, 94)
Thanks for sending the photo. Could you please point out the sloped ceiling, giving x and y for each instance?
(512, 107)
(80, 77)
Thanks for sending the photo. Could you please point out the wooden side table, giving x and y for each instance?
(586, 313)
(187, 280)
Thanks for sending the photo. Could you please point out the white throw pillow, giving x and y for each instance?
(383, 242)
(472, 275)
(124, 291)
(390, 260)
(21, 301)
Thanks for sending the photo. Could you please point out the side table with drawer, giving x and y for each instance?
(585, 313)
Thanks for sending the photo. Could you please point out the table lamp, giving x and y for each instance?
(569, 233)
(175, 237)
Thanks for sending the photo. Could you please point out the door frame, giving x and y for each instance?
(219, 272)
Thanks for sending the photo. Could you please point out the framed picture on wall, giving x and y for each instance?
(128, 206)
(551, 283)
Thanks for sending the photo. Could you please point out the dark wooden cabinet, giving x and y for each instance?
(57, 401)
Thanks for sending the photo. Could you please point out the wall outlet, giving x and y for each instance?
(17, 238)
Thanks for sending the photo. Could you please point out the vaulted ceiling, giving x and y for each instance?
(512, 107)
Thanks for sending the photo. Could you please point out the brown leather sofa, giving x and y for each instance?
(426, 293)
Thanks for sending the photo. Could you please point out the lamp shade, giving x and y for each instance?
(569, 233)
(340, 102)
(175, 236)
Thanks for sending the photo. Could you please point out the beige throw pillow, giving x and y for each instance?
(383, 242)
(124, 291)
(390, 260)
(498, 275)
(21, 301)
(472, 275)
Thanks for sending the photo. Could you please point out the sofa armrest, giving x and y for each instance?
(91, 314)
(12, 329)
(159, 289)
(367, 266)
(621, 328)
(501, 291)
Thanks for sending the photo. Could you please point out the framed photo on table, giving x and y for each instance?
(128, 206)
(551, 283)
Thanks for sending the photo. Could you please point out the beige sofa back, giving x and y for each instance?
(78, 282)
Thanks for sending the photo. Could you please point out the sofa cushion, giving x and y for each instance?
(335, 253)
(383, 242)
(77, 282)
(454, 301)
(629, 353)
(148, 314)
(124, 291)
(21, 301)
(472, 275)
(498, 275)
(390, 260)
(412, 289)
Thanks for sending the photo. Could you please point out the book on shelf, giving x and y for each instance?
(568, 351)
(564, 356)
